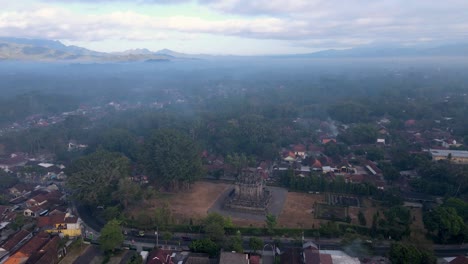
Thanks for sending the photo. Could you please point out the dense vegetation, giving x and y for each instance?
(162, 123)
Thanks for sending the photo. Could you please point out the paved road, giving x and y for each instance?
(333, 244)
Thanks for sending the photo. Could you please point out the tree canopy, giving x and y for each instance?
(95, 178)
(111, 236)
(172, 159)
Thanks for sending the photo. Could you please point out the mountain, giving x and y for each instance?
(391, 51)
(135, 52)
(52, 51)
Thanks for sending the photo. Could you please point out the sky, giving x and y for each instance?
(239, 27)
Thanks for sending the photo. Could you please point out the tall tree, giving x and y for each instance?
(255, 243)
(111, 236)
(172, 159)
(95, 177)
(214, 225)
(270, 222)
(445, 222)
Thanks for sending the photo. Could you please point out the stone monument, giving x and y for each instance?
(249, 193)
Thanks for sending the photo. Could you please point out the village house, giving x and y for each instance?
(233, 258)
(63, 223)
(14, 160)
(39, 244)
(160, 256)
(454, 156)
(299, 150)
(37, 200)
(13, 243)
(34, 211)
(20, 189)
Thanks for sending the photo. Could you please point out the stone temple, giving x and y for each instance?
(249, 193)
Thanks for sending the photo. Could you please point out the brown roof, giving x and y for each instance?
(198, 259)
(34, 244)
(47, 254)
(311, 255)
(15, 239)
(4, 209)
(22, 187)
(299, 148)
(459, 260)
(233, 258)
(291, 256)
(35, 209)
(59, 218)
(159, 256)
(326, 259)
(39, 198)
(254, 259)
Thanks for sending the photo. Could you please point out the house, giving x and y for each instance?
(20, 189)
(160, 256)
(233, 258)
(312, 255)
(13, 243)
(328, 140)
(34, 211)
(291, 256)
(457, 260)
(381, 141)
(48, 254)
(34, 245)
(63, 223)
(4, 210)
(354, 178)
(37, 200)
(197, 258)
(455, 156)
(14, 160)
(299, 150)
(254, 259)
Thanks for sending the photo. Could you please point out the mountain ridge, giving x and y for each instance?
(24, 49)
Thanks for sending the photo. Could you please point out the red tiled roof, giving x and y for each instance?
(327, 140)
(410, 122)
(4, 209)
(35, 244)
(326, 259)
(59, 218)
(47, 254)
(317, 164)
(159, 256)
(254, 259)
(299, 148)
(357, 177)
(459, 260)
(39, 198)
(311, 255)
(15, 239)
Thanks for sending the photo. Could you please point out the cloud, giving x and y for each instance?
(314, 23)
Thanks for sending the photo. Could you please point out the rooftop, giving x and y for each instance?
(446, 152)
(233, 258)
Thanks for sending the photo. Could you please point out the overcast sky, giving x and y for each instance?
(236, 26)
